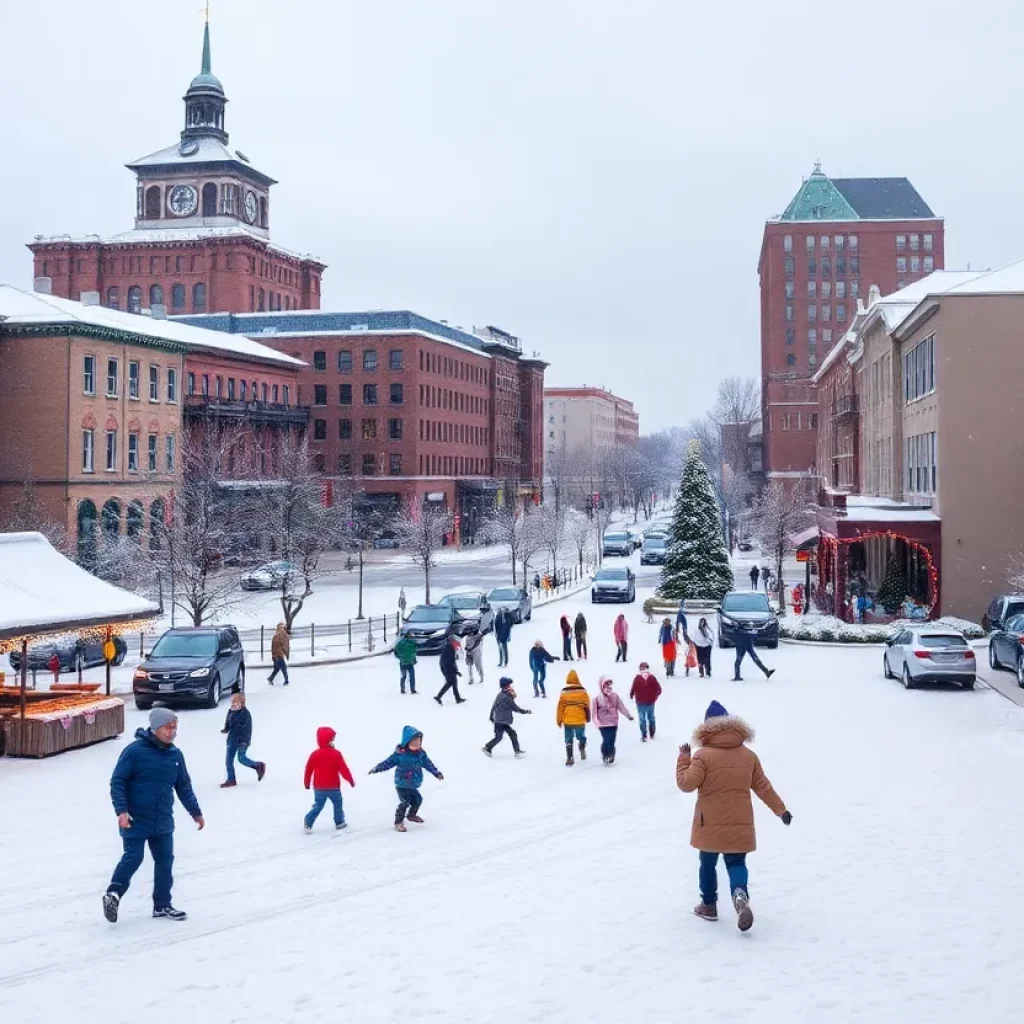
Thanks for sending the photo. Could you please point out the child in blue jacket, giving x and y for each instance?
(408, 760)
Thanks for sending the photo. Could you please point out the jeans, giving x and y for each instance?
(409, 801)
(500, 731)
(566, 647)
(539, 675)
(608, 734)
(581, 645)
(409, 672)
(645, 713)
(744, 645)
(704, 660)
(735, 864)
(162, 850)
(577, 732)
(280, 666)
(320, 797)
(753, 582)
(450, 683)
(475, 661)
(241, 750)
(502, 653)
(621, 650)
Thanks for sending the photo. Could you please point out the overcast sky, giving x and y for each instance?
(590, 175)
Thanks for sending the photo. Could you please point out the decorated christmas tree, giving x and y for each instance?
(893, 591)
(697, 564)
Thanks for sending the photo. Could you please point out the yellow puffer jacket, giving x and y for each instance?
(573, 703)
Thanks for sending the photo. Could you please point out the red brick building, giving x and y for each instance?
(837, 238)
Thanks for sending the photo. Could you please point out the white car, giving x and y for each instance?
(269, 576)
(929, 654)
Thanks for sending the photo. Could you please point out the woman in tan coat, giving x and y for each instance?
(723, 772)
(280, 649)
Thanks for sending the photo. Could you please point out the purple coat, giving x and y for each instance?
(607, 705)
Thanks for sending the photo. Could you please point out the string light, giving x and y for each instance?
(146, 625)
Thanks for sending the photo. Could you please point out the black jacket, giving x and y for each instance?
(503, 707)
(238, 726)
(449, 669)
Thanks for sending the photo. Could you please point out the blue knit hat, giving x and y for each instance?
(715, 710)
(504, 682)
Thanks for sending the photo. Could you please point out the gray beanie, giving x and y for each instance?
(159, 717)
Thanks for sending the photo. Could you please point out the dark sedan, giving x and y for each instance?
(430, 627)
(193, 665)
(1006, 647)
(747, 612)
(74, 652)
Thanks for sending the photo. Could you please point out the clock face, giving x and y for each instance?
(182, 200)
(252, 207)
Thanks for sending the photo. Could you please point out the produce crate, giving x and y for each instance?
(53, 732)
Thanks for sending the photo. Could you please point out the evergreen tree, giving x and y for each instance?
(697, 564)
(893, 591)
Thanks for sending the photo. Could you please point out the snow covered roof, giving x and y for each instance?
(41, 591)
(1006, 280)
(868, 508)
(20, 308)
(200, 150)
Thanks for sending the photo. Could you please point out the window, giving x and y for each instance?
(790, 290)
(277, 394)
(133, 453)
(840, 289)
(242, 390)
(826, 266)
(854, 265)
(369, 430)
(787, 243)
(370, 359)
(156, 295)
(284, 389)
(396, 394)
(319, 463)
(319, 430)
(840, 266)
(112, 376)
(812, 313)
(154, 383)
(89, 375)
(812, 336)
(320, 361)
(791, 359)
(344, 430)
(206, 385)
(826, 336)
(812, 362)
(88, 447)
(901, 264)
(915, 243)
(789, 311)
(901, 243)
(169, 452)
(190, 383)
(919, 370)
(135, 299)
(113, 298)
(369, 464)
(854, 289)
(220, 386)
(177, 295)
(395, 430)
(369, 394)
(929, 264)
(789, 265)
(826, 311)
(344, 394)
(133, 379)
(111, 464)
(199, 298)
(790, 336)
(927, 243)
(810, 243)
(840, 241)
(812, 266)
(841, 313)
(151, 464)
(231, 389)
(395, 465)
(852, 241)
(922, 476)
(915, 264)
(319, 394)
(395, 359)
(344, 361)
(345, 464)
(826, 289)
(812, 289)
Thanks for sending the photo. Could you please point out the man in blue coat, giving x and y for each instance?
(147, 775)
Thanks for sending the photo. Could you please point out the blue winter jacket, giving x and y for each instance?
(147, 775)
(238, 726)
(408, 764)
(666, 633)
(503, 626)
(538, 658)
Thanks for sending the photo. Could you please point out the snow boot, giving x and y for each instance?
(705, 912)
(400, 826)
(169, 913)
(338, 827)
(744, 915)
(228, 784)
(438, 699)
(569, 761)
(416, 818)
(307, 829)
(583, 751)
(459, 700)
(111, 902)
(487, 752)
(520, 753)
(653, 730)
(261, 770)
(643, 737)
(769, 673)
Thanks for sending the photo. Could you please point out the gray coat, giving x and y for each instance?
(503, 707)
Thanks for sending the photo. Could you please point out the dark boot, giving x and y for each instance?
(569, 761)
(653, 727)
(583, 750)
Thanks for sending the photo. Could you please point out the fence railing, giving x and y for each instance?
(352, 636)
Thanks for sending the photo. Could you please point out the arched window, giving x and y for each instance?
(156, 295)
(135, 299)
(209, 199)
(113, 298)
(135, 520)
(199, 298)
(263, 212)
(177, 296)
(154, 202)
(87, 534)
(111, 519)
(157, 528)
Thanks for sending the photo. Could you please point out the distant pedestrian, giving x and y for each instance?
(645, 691)
(503, 633)
(669, 647)
(681, 623)
(238, 728)
(754, 574)
(703, 640)
(566, 628)
(572, 715)
(405, 652)
(409, 761)
(605, 713)
(502, 711)
(280, 652)
(474, 646)
(690, 660)
(325, 768)
(539, 661)
(580, 629)
(766, 576)
(536, 582)
(744, 640)
(450, 670)
(401, 602)
(621, 633)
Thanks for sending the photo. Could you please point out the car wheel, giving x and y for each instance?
(993, 658)
(885, 667)
(1020, 671)
(240, 678)
(213, 697)
(908, 679)
(772, 645)
(143, 705)
(968, 685)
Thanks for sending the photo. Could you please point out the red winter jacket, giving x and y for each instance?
(326, 767)
(645, 691)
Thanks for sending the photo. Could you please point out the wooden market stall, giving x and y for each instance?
(43, 595)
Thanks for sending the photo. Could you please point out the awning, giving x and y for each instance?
(804, 537)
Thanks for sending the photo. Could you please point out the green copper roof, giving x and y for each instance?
(206, 79)
(819, 199)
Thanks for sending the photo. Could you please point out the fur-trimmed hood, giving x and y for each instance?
(723, 731)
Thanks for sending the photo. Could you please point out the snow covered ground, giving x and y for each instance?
(535, 892)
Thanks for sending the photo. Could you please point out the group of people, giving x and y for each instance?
(765, 575)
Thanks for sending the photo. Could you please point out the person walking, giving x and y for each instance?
(621, 633)
(566, 628)
(325, 768)
(744, 641)
(405, 652)
(280, 652)
(409, 761)
(580, 629)
(450, 670)
(572, 715)
(503, 633)
(766, 578)
(723, 772)
(754, 574)
(238, 727)
(669, 646)
(607, 707)
(539, 661)
(645, 691)
(703, 640)
(148, 773)
(502, 711)
(401, 602)
(474, 643)
(681, 623)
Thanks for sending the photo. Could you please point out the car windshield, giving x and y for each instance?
(745, 603)
(654, 542)
(185, 645)
(942, 640)
(504, 594)
(616, 538)
(1013, 609)
(611, 574)
(462, 600)
(426, 613)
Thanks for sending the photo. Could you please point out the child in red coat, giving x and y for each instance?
(326, 768)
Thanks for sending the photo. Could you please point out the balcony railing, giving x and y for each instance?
(845, 405)
(211, 407)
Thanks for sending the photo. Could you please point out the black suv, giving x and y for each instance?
(430, 627)
(747, 611)
(190, 665)
(1001, 610)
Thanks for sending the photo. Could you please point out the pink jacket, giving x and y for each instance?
(607, 705)
(621, 631)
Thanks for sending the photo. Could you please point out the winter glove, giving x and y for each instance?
(786, 817)
(440, 777)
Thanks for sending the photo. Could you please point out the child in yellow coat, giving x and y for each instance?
(572, 714)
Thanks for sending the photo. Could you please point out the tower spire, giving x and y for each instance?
(206, 68)
(205, 99)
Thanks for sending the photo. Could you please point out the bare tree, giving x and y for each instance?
(422, 532)
(27, 515)
(558, 476)
(579, 534)
(549, 521)
(778, 514)
(738, 401)
(531, 540)
(365, 524)
(503, 525)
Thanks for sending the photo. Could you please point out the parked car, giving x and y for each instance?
(430, 627)
(517, 600)
(746, 545)
(926, 654)
(74, 652)
(472, 610)
(636, 536)
(747, 610)
(616, 542)
(613, 585)
(269, 576)
(1006, 646)
(654, 551)
(1002, 609)
(386, 542)
(190, 665)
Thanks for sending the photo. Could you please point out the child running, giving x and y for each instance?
(607, 706)
(572, 714)
(326, 768)
(238, 727)
(502, 710)
(409, 760)
(539, 661)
